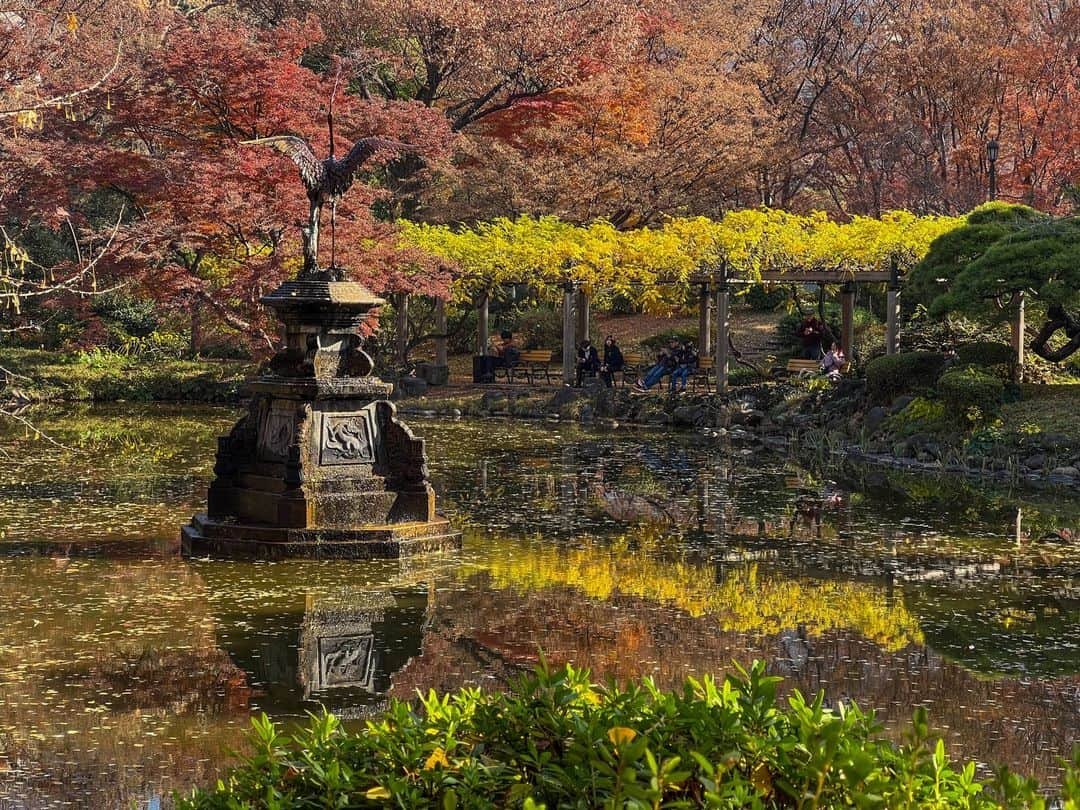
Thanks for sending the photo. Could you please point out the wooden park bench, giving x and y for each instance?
(536, 361)
(802, 368)
(632, 368)
(705, 373)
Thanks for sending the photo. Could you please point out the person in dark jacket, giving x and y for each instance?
(588, 361)
(686, 361)
(613, 361)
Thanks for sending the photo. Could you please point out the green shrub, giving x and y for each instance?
(653, 343)
(558, 741)
(985, 353)
(894, 374)
(766, 297)
(970, 394)
(135, 316)
(539, 328)
(920, 416)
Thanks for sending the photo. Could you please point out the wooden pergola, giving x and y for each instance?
(715, 293)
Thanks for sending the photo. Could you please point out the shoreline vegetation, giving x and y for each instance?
(555, 739)
(1032, 440)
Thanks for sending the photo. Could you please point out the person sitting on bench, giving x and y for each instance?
(833, 362)
(687, 360)
(665, 364)
(507, 351)
(588, 361)
(613, 361)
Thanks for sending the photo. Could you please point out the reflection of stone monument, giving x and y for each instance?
(353, 642)
(337, 643)
(320, 465)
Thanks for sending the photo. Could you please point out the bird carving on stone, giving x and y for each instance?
(325, 180)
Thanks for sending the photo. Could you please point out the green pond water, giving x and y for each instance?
(127, 673)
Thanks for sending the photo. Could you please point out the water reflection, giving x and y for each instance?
(125, 672)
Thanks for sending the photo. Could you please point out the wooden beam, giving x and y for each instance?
(582, 316)
(704, 322)
(482, 335)
(569, 353)
(892, 321)
(1017, 326)
(723, 299)
(401, 329)
(803, 277)
(440, 330)
(847, 320)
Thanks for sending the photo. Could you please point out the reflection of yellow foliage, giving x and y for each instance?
(748, 599)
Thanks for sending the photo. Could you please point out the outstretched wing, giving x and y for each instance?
(312, 171)
(346, 168)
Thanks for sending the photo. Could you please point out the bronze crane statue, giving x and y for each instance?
(325, 181)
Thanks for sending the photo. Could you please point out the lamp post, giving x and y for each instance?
(992, 150)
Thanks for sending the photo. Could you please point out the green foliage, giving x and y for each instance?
(653, 343)
(539, 328)
(1044, 258)
(556, 740)
(766, 297)
(921, 415)
(954, 250)
(890, 375)
(105, 376)
(970, 394)
(986, 353)
(135, 316)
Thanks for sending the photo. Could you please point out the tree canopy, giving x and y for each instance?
(1001, 251)
(547, 252)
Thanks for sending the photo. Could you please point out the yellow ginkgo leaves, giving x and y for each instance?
(653, 266)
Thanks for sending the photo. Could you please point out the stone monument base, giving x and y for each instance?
(226, 538)
(320, 466)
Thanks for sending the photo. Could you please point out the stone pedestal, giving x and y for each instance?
(320, 466)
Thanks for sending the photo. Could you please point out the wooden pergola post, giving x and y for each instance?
(847, 319)
(568, 347)
(892, 313)
(1017, 327)
(582, 316)
(723, 300)
(704, 322)
(482, 335)
(401, 328)
(440, 332)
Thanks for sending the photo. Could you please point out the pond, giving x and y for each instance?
(127, 673)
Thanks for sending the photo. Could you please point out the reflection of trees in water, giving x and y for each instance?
(648, 563)
(112, 686)
(483, 634)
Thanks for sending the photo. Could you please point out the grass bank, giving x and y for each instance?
(41, 376)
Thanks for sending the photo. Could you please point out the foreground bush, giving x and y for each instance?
(894, 374)
(555, 740)
(970, 393)
(985, 353)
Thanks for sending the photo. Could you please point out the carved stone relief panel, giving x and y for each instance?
(276, 433)
(348, 438)
(346, 661)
